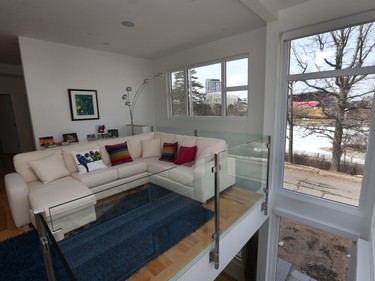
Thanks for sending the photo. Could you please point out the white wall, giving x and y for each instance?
(251, 43)
(50, 69)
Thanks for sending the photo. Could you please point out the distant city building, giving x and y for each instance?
(213, 95)
(215, 98)
(213, 85)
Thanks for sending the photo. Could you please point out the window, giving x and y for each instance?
(331, 83)
(216, 89)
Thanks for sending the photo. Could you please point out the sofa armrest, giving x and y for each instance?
(18, 198)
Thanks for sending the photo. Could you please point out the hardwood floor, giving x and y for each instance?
(234, 202)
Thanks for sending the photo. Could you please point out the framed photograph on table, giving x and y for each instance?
(113, 133)
(70, 138)
(47, 141)
(83, 104)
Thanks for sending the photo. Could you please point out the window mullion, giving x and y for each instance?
(223, 89)
(332, 73)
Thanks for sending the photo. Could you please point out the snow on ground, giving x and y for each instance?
(315, 145)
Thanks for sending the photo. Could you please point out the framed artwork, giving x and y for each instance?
(71, 137)
(113, 133)
(83, 104)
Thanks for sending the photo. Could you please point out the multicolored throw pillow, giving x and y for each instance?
(119, 153)
(169, 152)
(186, 155)
(88, 160)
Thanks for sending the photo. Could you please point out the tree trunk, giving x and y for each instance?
(336, 149)
(291, 123)
(337, 139)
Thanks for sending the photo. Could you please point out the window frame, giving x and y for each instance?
(286, 78)
(224, 88)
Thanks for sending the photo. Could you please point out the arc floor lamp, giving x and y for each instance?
(131, 102)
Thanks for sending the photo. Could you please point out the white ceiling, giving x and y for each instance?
(161, 26)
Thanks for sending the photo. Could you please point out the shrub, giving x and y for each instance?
(324, 164)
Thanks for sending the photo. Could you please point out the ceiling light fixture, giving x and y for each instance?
(128, 23)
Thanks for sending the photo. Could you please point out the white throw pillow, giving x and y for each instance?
(151, 148)
(205, 155)
(50, 168)
(88, 160)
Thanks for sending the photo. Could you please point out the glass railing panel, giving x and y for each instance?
(177, 131)
(190, 186)
(232, 139)
(238, 191)
(125, 216)
(56, 266)
(251, 162)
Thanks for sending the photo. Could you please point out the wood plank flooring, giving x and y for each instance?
(234, 203)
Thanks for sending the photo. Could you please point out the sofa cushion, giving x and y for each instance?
(182, 174)
(169, 152)
(134, 143)
(50, 168)
(185, 140)
(118, 153)
(88, 160)
(97, 177)
(104, 152)
(130, 169)
(216, 145)
(185, 155)
(164, 137)
(60, 191)
(154, 165)
(151, 148)
(204, 156)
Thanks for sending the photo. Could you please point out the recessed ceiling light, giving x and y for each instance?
(128, 23)
(106, 43)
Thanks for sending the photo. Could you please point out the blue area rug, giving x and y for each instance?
(131, 233)
(125, 237)
(21, 258)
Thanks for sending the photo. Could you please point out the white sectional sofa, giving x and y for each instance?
(50, 178)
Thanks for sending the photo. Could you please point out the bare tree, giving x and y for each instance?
(290, 120)
(345, 101)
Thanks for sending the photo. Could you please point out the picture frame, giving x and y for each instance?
(113, 133)
(91, 137)
(83, 104)
(46, 141)
(70, 138)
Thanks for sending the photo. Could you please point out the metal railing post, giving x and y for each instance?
(215, 252)
(266, 189)
(38, 214)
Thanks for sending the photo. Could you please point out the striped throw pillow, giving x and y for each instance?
(119, 153)
(169, 151)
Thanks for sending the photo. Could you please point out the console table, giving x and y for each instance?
(138, 129)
